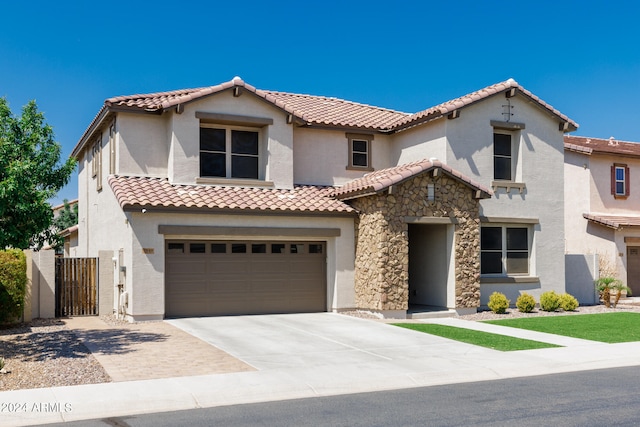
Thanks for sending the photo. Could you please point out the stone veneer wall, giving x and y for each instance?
(382, 241)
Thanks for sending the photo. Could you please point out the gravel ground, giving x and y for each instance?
(513, 313)
(44, 353)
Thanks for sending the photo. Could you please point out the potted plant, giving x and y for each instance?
(607, 286)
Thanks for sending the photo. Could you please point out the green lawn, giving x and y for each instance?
(484, 339)
(604, 327)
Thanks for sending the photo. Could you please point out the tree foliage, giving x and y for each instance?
(13, 281)
(30, 174)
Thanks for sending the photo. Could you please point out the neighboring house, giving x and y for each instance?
(602, 209)
(69, 234)
(234, 200)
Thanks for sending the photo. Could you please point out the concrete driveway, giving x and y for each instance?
(314, 340)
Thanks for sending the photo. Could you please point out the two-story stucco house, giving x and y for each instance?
(234, 200)
(602, 204)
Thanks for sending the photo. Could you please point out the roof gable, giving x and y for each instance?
(449, 107)
(314, 110)
(381, 180)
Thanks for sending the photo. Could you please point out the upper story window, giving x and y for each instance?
(96, 162)
(112, 148)
(507, 156)
(504, 250)
(229, 153)
(620, 180)
(359, 151)
(502, 157)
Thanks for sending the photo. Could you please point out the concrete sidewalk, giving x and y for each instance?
(328, 354)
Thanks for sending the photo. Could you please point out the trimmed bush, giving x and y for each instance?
(525, 303)
(568, 302)
(13, 282)
(498, 303)
(549, 301)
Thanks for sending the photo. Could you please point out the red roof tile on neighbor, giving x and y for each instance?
(604, 146)
(383, 179)
(614, 221)
(145, 192)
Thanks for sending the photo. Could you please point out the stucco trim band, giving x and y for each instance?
(233, 119)
(510, 279)
(246, 231)
(429, 220)
(509, 220)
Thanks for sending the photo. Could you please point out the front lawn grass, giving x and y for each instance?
(603, 327)
(469, 336)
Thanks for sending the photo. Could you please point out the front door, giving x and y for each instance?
(633, 269)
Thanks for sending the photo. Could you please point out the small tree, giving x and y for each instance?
(13, 280)
(30, 174)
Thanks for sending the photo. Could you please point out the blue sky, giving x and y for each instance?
(581, 57)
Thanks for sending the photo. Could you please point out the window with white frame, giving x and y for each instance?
(504, 250)
(229, 152)
(359, 151)
(502, 157)
(620, 180)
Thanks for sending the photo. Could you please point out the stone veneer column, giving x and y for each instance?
(382, 241)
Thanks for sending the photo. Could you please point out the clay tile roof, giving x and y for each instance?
(449, 106)
(603, 146)
(158, 193)
(614, 221)
(383, 179)
(333, 111)
(313, 110)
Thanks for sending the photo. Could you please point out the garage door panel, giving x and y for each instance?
(268, 277)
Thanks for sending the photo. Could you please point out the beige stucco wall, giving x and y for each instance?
(588, 190)
(321, 156)
(540, 166)
(142, 147)
(601, 199)
(422, 142)
(145, 281)
(276, 140)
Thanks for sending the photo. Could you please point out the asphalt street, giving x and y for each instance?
(588, 398)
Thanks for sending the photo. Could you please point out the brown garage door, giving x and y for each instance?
(209, 278)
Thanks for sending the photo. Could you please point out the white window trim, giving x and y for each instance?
(229, 155)
(623, 180)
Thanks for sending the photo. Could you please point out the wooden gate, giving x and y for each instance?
(76, 287)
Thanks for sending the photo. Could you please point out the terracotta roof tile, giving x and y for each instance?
(333, 111)
(614, 221)
(604, 146)
(383, 179)
(310, 109)
(449, 106)
(149, 193)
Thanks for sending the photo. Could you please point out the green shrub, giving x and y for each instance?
(498, 303)
(13, 282)
(549, 301)
(568, 302)
(525, 303)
